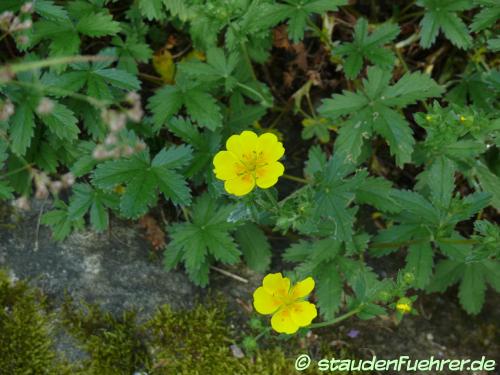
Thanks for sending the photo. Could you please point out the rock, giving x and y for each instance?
(114, 269)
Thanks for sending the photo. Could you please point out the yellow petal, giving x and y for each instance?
(226, 165)
(240, 185)
(269, 147)
(243, 144)
(264, 302)
(276, 284)
(282, 322)
(268, 175)
(302, 313)
(303, 288)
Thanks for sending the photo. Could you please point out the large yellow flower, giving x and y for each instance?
(249, 160)
(287, 304)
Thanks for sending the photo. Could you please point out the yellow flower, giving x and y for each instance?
(404, 305)
(287, 304)
(249, 160)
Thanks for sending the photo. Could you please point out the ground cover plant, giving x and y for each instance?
(358, 133)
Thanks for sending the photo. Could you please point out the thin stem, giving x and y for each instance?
(55, 90)
(21, 67)
(272, 199)
(27, 166)
(255, 92)
(294, 178)
(336, 320)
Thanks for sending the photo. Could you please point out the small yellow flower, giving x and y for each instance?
(404, 305)
(249, 160)
(287, 304)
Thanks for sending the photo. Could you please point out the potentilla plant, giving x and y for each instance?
(347, 133)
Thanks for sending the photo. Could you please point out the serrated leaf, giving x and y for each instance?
(441, 182)
(97, 25)
(329, 288)
(254, 246)
(448, 272)
(377, 193)
(207, 233)
(472, 288)
(62, 122)
(22, 125)
(139, 195)
(119, 78)
(419, 261)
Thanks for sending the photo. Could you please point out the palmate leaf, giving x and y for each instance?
(200, 105)
(207, 236)
(143, 179)
(488, 16)
(64, 33)
(441, 14)
(367, 46)
(59, 221)
(373, 109)
(296, 12)
(85, 198)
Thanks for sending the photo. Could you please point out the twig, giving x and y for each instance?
(230, 274)
(37, 231)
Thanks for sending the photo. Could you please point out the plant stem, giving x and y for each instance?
(294, 178)
(27, 166)
(21, 67)
(336, 320)
(272, 199)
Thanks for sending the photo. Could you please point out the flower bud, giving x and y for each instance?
(409, 278)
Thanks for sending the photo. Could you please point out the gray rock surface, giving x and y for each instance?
(114, 269)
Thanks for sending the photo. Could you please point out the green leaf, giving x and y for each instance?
(86, 198)
(448, 272)
(371, 109)
(441, 181)
(472, 288)
(488, 16)
(490, 182)
(143, 178)
(200, 105)
(59, 221)
(97, 25)
(368, 46)
(119, 78)
(377, 193)
(394, 128)
(207, 234)
(340, 105)
(329, 288)
(139, 195)
(441, 14)
(62, 122)
(254, 246)
(419, 262)
(492, 273)
(22, 125)
(415, 207)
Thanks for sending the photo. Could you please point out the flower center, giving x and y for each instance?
(251, 162)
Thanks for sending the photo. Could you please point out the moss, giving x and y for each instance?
(115, 345)
(26, 344)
